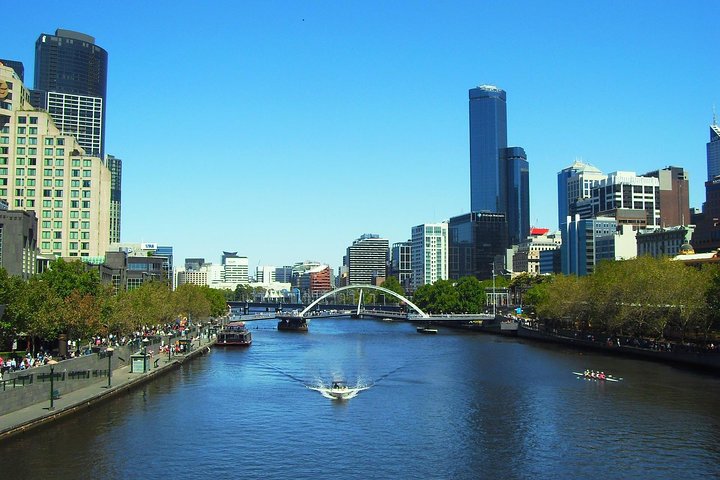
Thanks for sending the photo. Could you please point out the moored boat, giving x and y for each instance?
(234, 334)
(292, 324)
(427, 330)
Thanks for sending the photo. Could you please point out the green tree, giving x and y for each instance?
(471, 295)
(65, 277)
(391, 283)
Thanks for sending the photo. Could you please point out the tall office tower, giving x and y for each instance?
(707, 233)
(499, 176)
(674, 196)
(366, 259)
(429, 253)
(488, 141)
(518, 195)
(115, 167)
(629, 198)
(71, 84)
(44, 170)
(401, 263)
(476, 240)
(575, 183)
(15, 65)
(713, 151)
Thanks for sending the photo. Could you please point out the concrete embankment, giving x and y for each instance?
(709, 361)
(75, 400)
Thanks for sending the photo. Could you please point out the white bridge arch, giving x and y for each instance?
(360, 287)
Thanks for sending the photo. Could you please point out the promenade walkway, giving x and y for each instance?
(72, 402)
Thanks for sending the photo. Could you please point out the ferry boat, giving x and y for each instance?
(234, 334)
(292, 323)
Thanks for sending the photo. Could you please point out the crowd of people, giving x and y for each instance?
(75, 348)
(16, 362)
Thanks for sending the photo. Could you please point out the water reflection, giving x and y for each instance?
(454, 405)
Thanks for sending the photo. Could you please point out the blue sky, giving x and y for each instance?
(286, 129)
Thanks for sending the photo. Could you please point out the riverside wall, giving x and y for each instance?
(80, 399)
(22, 388)
(709, 361)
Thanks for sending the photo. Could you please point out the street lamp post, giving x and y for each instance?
(109, 352)
(494, 295)
(52, 383)
(145, 341)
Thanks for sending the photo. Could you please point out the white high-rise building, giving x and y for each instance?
(264, 274)
(235, 268)
(429, 253)
(43, 170)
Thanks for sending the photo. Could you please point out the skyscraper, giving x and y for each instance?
(366, 259)
(43, 170)
(476, 240)
(488, 140)
(71, 84)
(115, 167)
(713, 151)
(518, 194)
(674, 195)
(499, 176)
(574, 184)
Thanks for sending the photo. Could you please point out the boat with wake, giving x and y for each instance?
(599, 376)
(338, 390)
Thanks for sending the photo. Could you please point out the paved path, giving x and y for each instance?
(122, 380)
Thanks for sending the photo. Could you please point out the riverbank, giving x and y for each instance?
(708, 361)
(76, 401)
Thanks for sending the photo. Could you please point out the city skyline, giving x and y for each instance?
(285, 133)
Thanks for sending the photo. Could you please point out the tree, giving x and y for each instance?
(440, 297)
(65, 277)
(471, 295)
(391, 283)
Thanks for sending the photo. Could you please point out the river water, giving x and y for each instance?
(452, 405)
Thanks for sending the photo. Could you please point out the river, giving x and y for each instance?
(452, 405)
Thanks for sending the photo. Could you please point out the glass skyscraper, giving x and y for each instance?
(518, 201)
(499, 176)
(713, 152)
(71, 84)
(488, 140)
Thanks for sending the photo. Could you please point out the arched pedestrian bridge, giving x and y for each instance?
(362, 287)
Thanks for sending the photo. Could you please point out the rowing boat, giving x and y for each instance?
(608, 378)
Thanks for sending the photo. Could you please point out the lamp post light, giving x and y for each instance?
(145, 341)
(109, 352)
(52, 364)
